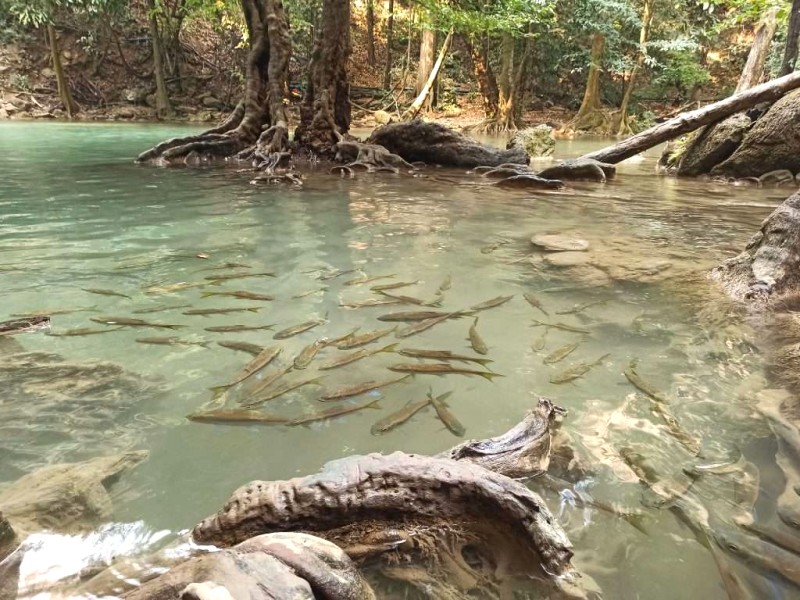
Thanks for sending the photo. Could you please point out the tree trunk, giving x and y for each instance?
(792, 35)
(417, 105)
(263, 100)
(487, 84)
(163, 106)
(371, 32)
(623, 127)
(686, 122)
(325, 111)
(61, 79)
(427, 55)
(519, 78)
(754, 68)
(590, 114)
(506, 84)
(387, 71)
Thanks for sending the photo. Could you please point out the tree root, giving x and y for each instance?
(530, 182)
(371, 156)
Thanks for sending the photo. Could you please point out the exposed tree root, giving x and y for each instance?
(372, 156)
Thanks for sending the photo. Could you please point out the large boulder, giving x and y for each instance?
(535, 141)
(713, 144)
(436, 144)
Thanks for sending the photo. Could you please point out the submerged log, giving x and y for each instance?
(770, 263)
(687, 122)
(436, 144)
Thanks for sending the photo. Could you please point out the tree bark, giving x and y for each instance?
(506, 120)
(325, 111)
(427, 55)
(163, 106)
(623, 127)
(792, 35)
(757, 58)
(421, 99)
(487, 84)
(61, 79)
(519, 78)
(371, 32)
(387, 71)
(590, 114)
(686, 122)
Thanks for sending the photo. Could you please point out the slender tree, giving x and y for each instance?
(792, 36)
(163, 105)
(622, 125)
(387, 70)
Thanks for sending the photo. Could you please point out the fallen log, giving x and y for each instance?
(687, 122)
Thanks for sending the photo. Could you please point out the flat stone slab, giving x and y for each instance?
(556, 242)
(566, 259)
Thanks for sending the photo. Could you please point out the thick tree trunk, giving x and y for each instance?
(792, 35)
(623, 127)
(590, 114)
(61, 79)
(163, 106)
(487, 84)
(325, 111)
(427, 56)
(519, 78)
(686, 122)
(754, 68)
(387, 71)
(371, 32)
(506, 120)
(262, 102)
(421, 99)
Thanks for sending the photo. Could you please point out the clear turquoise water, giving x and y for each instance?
(75, 212)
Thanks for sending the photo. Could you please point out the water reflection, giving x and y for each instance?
(97, 221)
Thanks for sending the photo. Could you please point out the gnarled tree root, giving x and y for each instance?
(371, 156)
(399, 490)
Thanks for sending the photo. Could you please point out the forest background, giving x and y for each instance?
(602, 66)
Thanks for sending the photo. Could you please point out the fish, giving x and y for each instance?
(162, 308)
(252, 395)
(354, 356)
(489, 248)
(365, 279)
(334, 274)
(393, 286)
(403, 299)
(52, 313)
(424, 325)
(444, 414)
(171, 341)
(580, 307)
(129, 322)
(577, 371)
(640, 384)
(535, 303)
(539, 343)
(298, 329)
(758, 554)
(560, 354)
(308, 353)
(172, 288)
(358, 389)
(266, 356)
(253, 349)
(220, 311)
(674, 428)
(790, 542)
(435, 301)
(237, 328)
(365, 338)
(231, 276)
(244, 295)
(418, 315)
(440, 369)
(103, 292)
(277, 392)
(333, 412)
(491, 303)
(228, 265)
(446, 284)
(561, 326)
(370, 302)
(399, 417)
(309, 293)
(475, 339)
(235, 415)
(82, 331)
(444, 355)
(27, 325)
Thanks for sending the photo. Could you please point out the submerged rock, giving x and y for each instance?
(567, 259)
(535, 141)
(557, 242)
(580, 169)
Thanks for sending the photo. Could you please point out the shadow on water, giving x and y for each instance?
(76, 214)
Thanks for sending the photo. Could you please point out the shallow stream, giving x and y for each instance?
(77, 214)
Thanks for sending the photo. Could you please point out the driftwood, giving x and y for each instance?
(370, 156)
(687, 122)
